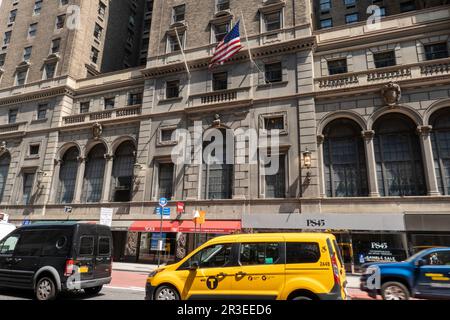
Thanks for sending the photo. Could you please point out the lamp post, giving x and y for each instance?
(307, 163)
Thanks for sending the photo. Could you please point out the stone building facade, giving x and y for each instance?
(361, 114)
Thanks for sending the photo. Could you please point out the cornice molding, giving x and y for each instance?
(37, 95)
(257, 53)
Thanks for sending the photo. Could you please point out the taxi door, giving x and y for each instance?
(261, 270)
(434, 275)
(208, 274)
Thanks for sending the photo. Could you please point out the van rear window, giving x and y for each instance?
(302, 252)
(86, 246)
(104, 246)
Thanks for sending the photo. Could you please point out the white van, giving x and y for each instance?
(5, 229)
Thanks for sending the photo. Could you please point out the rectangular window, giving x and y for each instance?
(27, 53)
(273, 21)
(12, 15)
(94, 55)
(2, 59)
(302, 252)
(101, 9)
(325, 6)
(27, 187)
(260, 254)
(337, 66)
(32, 30)
(223, 5)
(166, 135)
(165, 180)
(276, 183)
(407, 6)
(34, 150)
(351, 18)
(109, 103)
(274, 123)
(98, 30)
(37, 7)
(49, 70)
(84, 107)
(178, 13)
(350, 3)
(12, 116)
(436, 51)
(221, 30)
(104, 246)
(55, 45)
(60, 20)
(220, 81)
(42, 111)
(174, 45)
(172, 89)
(326, 23)
(134, 98)
(21, 77)
(273, 72)
(384, 59)
(7, 38)
(86, 246)
(63, 2)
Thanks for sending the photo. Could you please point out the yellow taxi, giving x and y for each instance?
(284, 266)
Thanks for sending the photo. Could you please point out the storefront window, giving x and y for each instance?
(148, 251)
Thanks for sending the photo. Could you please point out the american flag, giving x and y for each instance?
(228, 47)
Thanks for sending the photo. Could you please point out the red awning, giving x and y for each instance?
(187, 226)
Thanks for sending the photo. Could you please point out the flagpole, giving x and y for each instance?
(182, 53)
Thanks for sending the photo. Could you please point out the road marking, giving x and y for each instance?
(126, 288)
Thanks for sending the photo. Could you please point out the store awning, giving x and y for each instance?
(186, 226)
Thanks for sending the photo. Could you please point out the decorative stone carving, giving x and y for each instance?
(3, 147)
(216, 121)
(108, 157)
(368, 135)
(97, 131)
(320, 139)
(391, 93)
(424, 130)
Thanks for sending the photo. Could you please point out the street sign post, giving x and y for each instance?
(162, 203)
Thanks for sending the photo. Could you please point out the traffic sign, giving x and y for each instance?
(26, 222)
(180, 207)
(163, 202)
(165, 212)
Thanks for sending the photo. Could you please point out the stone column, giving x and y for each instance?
(371, 163)
(322, 191)
(79, 180)
(55, 183)
(107, 178)
(428, 161)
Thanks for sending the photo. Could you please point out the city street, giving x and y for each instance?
(130, 286)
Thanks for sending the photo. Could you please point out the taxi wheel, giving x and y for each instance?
(394, 291)
(45, 289)
(93, 290)
(166, 293)
(297, 298)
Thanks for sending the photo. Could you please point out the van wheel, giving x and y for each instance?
(45, 289)
(300, 298)
(93, 290)
(394, 291)
(166, 293)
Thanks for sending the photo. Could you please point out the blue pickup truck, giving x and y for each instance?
(425, 275)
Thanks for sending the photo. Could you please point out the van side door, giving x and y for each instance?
(7, 247)
(103, 257)
(26, 258)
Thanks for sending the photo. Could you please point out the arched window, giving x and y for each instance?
(344, 160)
(398, 157)
(122, 174)
(68, 176)
(217, 182)
(440, 138)
(93, 174)
(5, 160)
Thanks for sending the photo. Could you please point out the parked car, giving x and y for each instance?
(426, 275)
(295, 266)
(5, 229)
(57, 257)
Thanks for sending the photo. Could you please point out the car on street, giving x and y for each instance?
(50, 258)
(425, 275)
(284, 266)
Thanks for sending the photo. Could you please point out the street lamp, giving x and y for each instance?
(307, 163)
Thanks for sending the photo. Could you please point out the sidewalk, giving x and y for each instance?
(133, 267)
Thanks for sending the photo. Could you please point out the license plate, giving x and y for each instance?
(83, 269)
